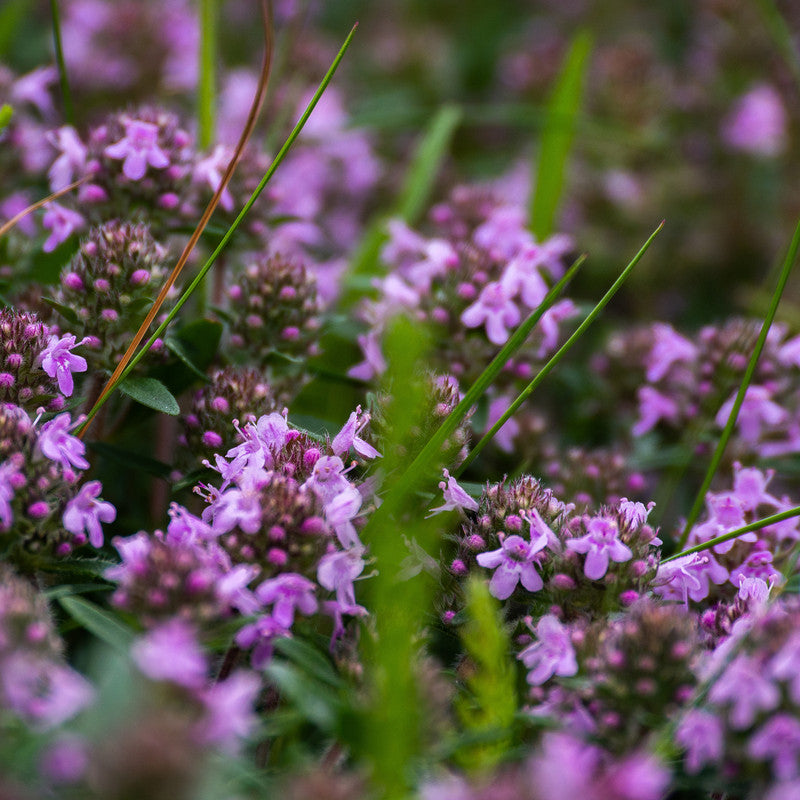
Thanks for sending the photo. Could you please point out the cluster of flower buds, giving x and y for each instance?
(472, 281)
(746, 727)
(274, 309)
(109, 284)
(42, 506)
(280, 528)
(233, 393)
(25, 343)
(694, 382)
(35, 683)
(545, 556)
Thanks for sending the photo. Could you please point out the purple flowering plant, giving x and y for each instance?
(251, 533)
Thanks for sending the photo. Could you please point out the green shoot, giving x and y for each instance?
(206, 90)
(66, 95)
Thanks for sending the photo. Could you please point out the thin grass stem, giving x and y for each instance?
(788, 263)
(228, 234)
(207, 86)
(726, 537)
(66, 94)
(559, 355)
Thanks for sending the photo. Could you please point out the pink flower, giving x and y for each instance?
(59, 362)
(701, 734)
(286, 593)
(337, 571)
(62, 223)
(758, 411)
(229, 711)
(139, 147)
(757, 124)
(653, 406)
(85, 513)
(600, 544)
(496, 310)
(72, 159)
(669, 348)
(211, 169)
(57, 444)
(454, 496)
(348, 437)
(514, 562)
(552, 654)
(171, 653)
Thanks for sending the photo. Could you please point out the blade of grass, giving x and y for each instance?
(726, 537)
(411, 201)
(66, 95)
(389, 734)
(418, 467)
(6, 113)
(562, 351)
(557, 137)
(781, 34)
(134, 360)
(206, 89)
(788, 263)
(7, 226)
(11, 16)
(195, 237)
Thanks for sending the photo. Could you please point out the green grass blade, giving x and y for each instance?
(207, 85)
(559, 355)
(198, 279)
(726, 537)
(6, 113)
(389, 734)
(66, 95)
(788, 263)
(12, 14)
(417, 187)
(419, 466)
(557, 137)
(782, 35)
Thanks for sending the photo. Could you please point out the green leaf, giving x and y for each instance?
(557, 137)
(11, 16)
(312, 700)
(199, 341)
(6, 112)
(72, 589)
(65, 311)
(176, 346)
(151, 393)
(309, 659)
(129, 458)
(105, 625)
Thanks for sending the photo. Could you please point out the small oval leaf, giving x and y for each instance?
(151, 393)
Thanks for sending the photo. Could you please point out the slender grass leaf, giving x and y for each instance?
(105, 625)
(6, 113)
(66, 94)
(198, 279)
(413, 476)
(72, 589)
(206, 87)
(308, 658)
(557, 137)
(782, 35)
(734, 534)
(788, 263)
(559, 355)
(151, 393)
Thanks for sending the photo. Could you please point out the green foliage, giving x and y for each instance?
(488, 704)
(151, 393)
(104, 624)
(559, 131)
(6, 113)
(206, 87)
